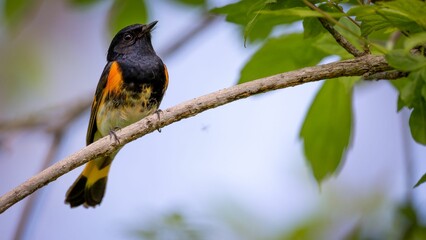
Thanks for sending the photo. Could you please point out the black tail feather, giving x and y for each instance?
(95, 193)
(75, 194)
(89, 196)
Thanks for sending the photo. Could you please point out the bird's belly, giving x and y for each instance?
(113, 115)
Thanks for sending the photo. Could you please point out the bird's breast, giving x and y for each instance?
(120, 109)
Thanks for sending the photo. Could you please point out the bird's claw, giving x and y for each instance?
(113, 135)
(158, 112)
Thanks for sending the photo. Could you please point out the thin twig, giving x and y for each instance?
(336, 6)
(49, 118)
(57, 128)
(394, 37)
(340, 39)
(353, 67)
(29, 205)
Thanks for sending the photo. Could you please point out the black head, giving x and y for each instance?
(133, 39)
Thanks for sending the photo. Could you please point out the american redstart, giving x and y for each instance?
(131, 87)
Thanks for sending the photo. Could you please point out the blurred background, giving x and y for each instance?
(235, 172)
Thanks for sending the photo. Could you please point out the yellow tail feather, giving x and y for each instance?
(89, 188)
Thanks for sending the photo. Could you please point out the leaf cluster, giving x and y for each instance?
(395, 29)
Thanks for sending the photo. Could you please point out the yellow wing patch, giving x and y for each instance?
(115, 78)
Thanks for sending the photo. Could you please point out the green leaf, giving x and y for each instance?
(312, 28)
(421, 181)
(418, 123)
(412, 9)
(370, 21)
(399, 104)
(15, 10)
(125, 13)
(423, 92)
(406, 15)
(282, 54)
(299, 12)
(247, 13)
(412, 89)
(327, 127)
(419, 74)
(405, 61)
(399, 85)
(414, 41)
(239, 12)
(399, 20)
(408, 94)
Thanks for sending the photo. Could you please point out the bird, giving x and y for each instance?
(131, 87)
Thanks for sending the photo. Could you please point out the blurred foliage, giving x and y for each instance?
(192, 2)
(125, 13)
(173, 225)
(411, 226)
(20, 74)
(405, 224)
(15, 10)
(233, 221)
(83, 2)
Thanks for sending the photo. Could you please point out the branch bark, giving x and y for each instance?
(368, 64)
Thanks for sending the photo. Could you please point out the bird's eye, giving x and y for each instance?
(128, 37)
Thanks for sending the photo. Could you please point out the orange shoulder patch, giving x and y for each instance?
(115, 78)
(167, 78)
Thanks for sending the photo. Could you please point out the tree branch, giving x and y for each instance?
(353, 67)
(48, 119)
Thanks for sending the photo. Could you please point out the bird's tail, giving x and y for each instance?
(89, 188)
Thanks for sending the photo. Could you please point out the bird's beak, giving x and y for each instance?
(146, 29)
(150, 26)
